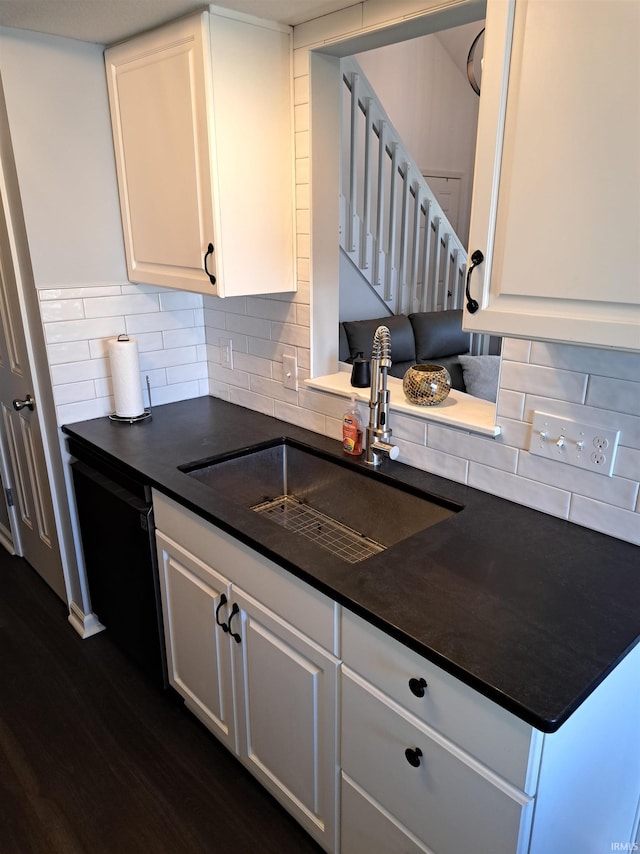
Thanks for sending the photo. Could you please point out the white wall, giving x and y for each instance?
(594, 384)
(58, 112)
(431, 105)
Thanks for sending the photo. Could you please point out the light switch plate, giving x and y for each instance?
(290, 372)
(586, 446)
(226, 353)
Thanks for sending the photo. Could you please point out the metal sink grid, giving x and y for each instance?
(329, 534)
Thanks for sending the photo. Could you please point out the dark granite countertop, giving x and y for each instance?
(530, 610)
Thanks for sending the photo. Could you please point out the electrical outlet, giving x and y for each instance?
(290, 372)
(574, 443)
(226, 353)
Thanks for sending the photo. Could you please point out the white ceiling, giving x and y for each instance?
(107, 21)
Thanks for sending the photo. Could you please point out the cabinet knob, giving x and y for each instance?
(413, 755)
(417, 686)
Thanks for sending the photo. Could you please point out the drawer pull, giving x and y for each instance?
(413, 755)
(234, 610)
(223, 601)
(417, 686)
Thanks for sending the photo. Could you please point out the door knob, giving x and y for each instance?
(20, 404)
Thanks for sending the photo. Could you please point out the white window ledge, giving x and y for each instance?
(459, 409)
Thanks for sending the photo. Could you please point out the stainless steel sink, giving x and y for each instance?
(351, 512)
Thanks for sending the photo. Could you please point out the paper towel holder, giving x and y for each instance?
(147, 412)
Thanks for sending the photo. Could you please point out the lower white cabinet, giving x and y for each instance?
(431, 789)
(372, 748)
(247, 669)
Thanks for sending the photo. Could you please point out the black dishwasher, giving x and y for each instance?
(118, 542)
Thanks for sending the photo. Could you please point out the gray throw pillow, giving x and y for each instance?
(481, 375)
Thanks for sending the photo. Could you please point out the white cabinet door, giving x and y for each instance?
(202, 124)
(286, 699)
(194, 600)
(556, 206)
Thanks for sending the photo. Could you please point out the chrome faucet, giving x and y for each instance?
(379, 443)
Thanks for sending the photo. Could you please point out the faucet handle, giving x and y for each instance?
(386, 449)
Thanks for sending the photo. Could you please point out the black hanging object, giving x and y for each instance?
(209, 251)
(476, 259)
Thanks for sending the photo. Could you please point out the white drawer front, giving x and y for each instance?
(368, 829)
(491, 734)
(449, 802)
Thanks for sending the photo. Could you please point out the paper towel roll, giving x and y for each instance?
(125, 373)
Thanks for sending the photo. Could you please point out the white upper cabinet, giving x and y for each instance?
(201, 111)
(556, 207)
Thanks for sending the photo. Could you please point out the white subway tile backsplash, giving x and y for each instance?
(274, 350)
(539, 496)
(74, 372)
(167, 358)
(613, 490)
(516, 349)
(515, 433)
(565, 385)
(74, 392)
(72, 412)
(185, 373)
(218, 389)
(271, 309)
(234, 305)
(434, 461)
(63, 309)
(78, 293)
(299, 417)
(68, 351)
(250, 400)
(303, 315)
(83, 330)
(290, 333)
(627, 463)
(182, 337)
(271, 388)
(325, 404)
(173, 393)
(410, 429)
(118, 306)
(615, 394)
(254, 326)
(603, 517)
(176, 300)
(253, 365)
(604, 363)
(160, 321)
(149, 341)
(479, 448)
(225, 375)
(510, 404)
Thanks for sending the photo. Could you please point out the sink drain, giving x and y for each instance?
(300, 518)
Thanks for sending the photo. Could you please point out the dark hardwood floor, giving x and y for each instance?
(95, 760)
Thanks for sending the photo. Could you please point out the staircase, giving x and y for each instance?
(391, 225)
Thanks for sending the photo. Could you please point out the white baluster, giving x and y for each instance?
(393, 225)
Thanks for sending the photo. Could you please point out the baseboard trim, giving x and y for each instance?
(86, 625)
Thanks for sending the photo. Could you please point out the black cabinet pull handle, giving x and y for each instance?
(209, 251)
(417, 686)
(476, 259)
(234, 610)
(223, 601)
(413, 756)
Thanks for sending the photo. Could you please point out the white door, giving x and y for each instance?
(194, 604)
(286, 689)
(31, 519)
